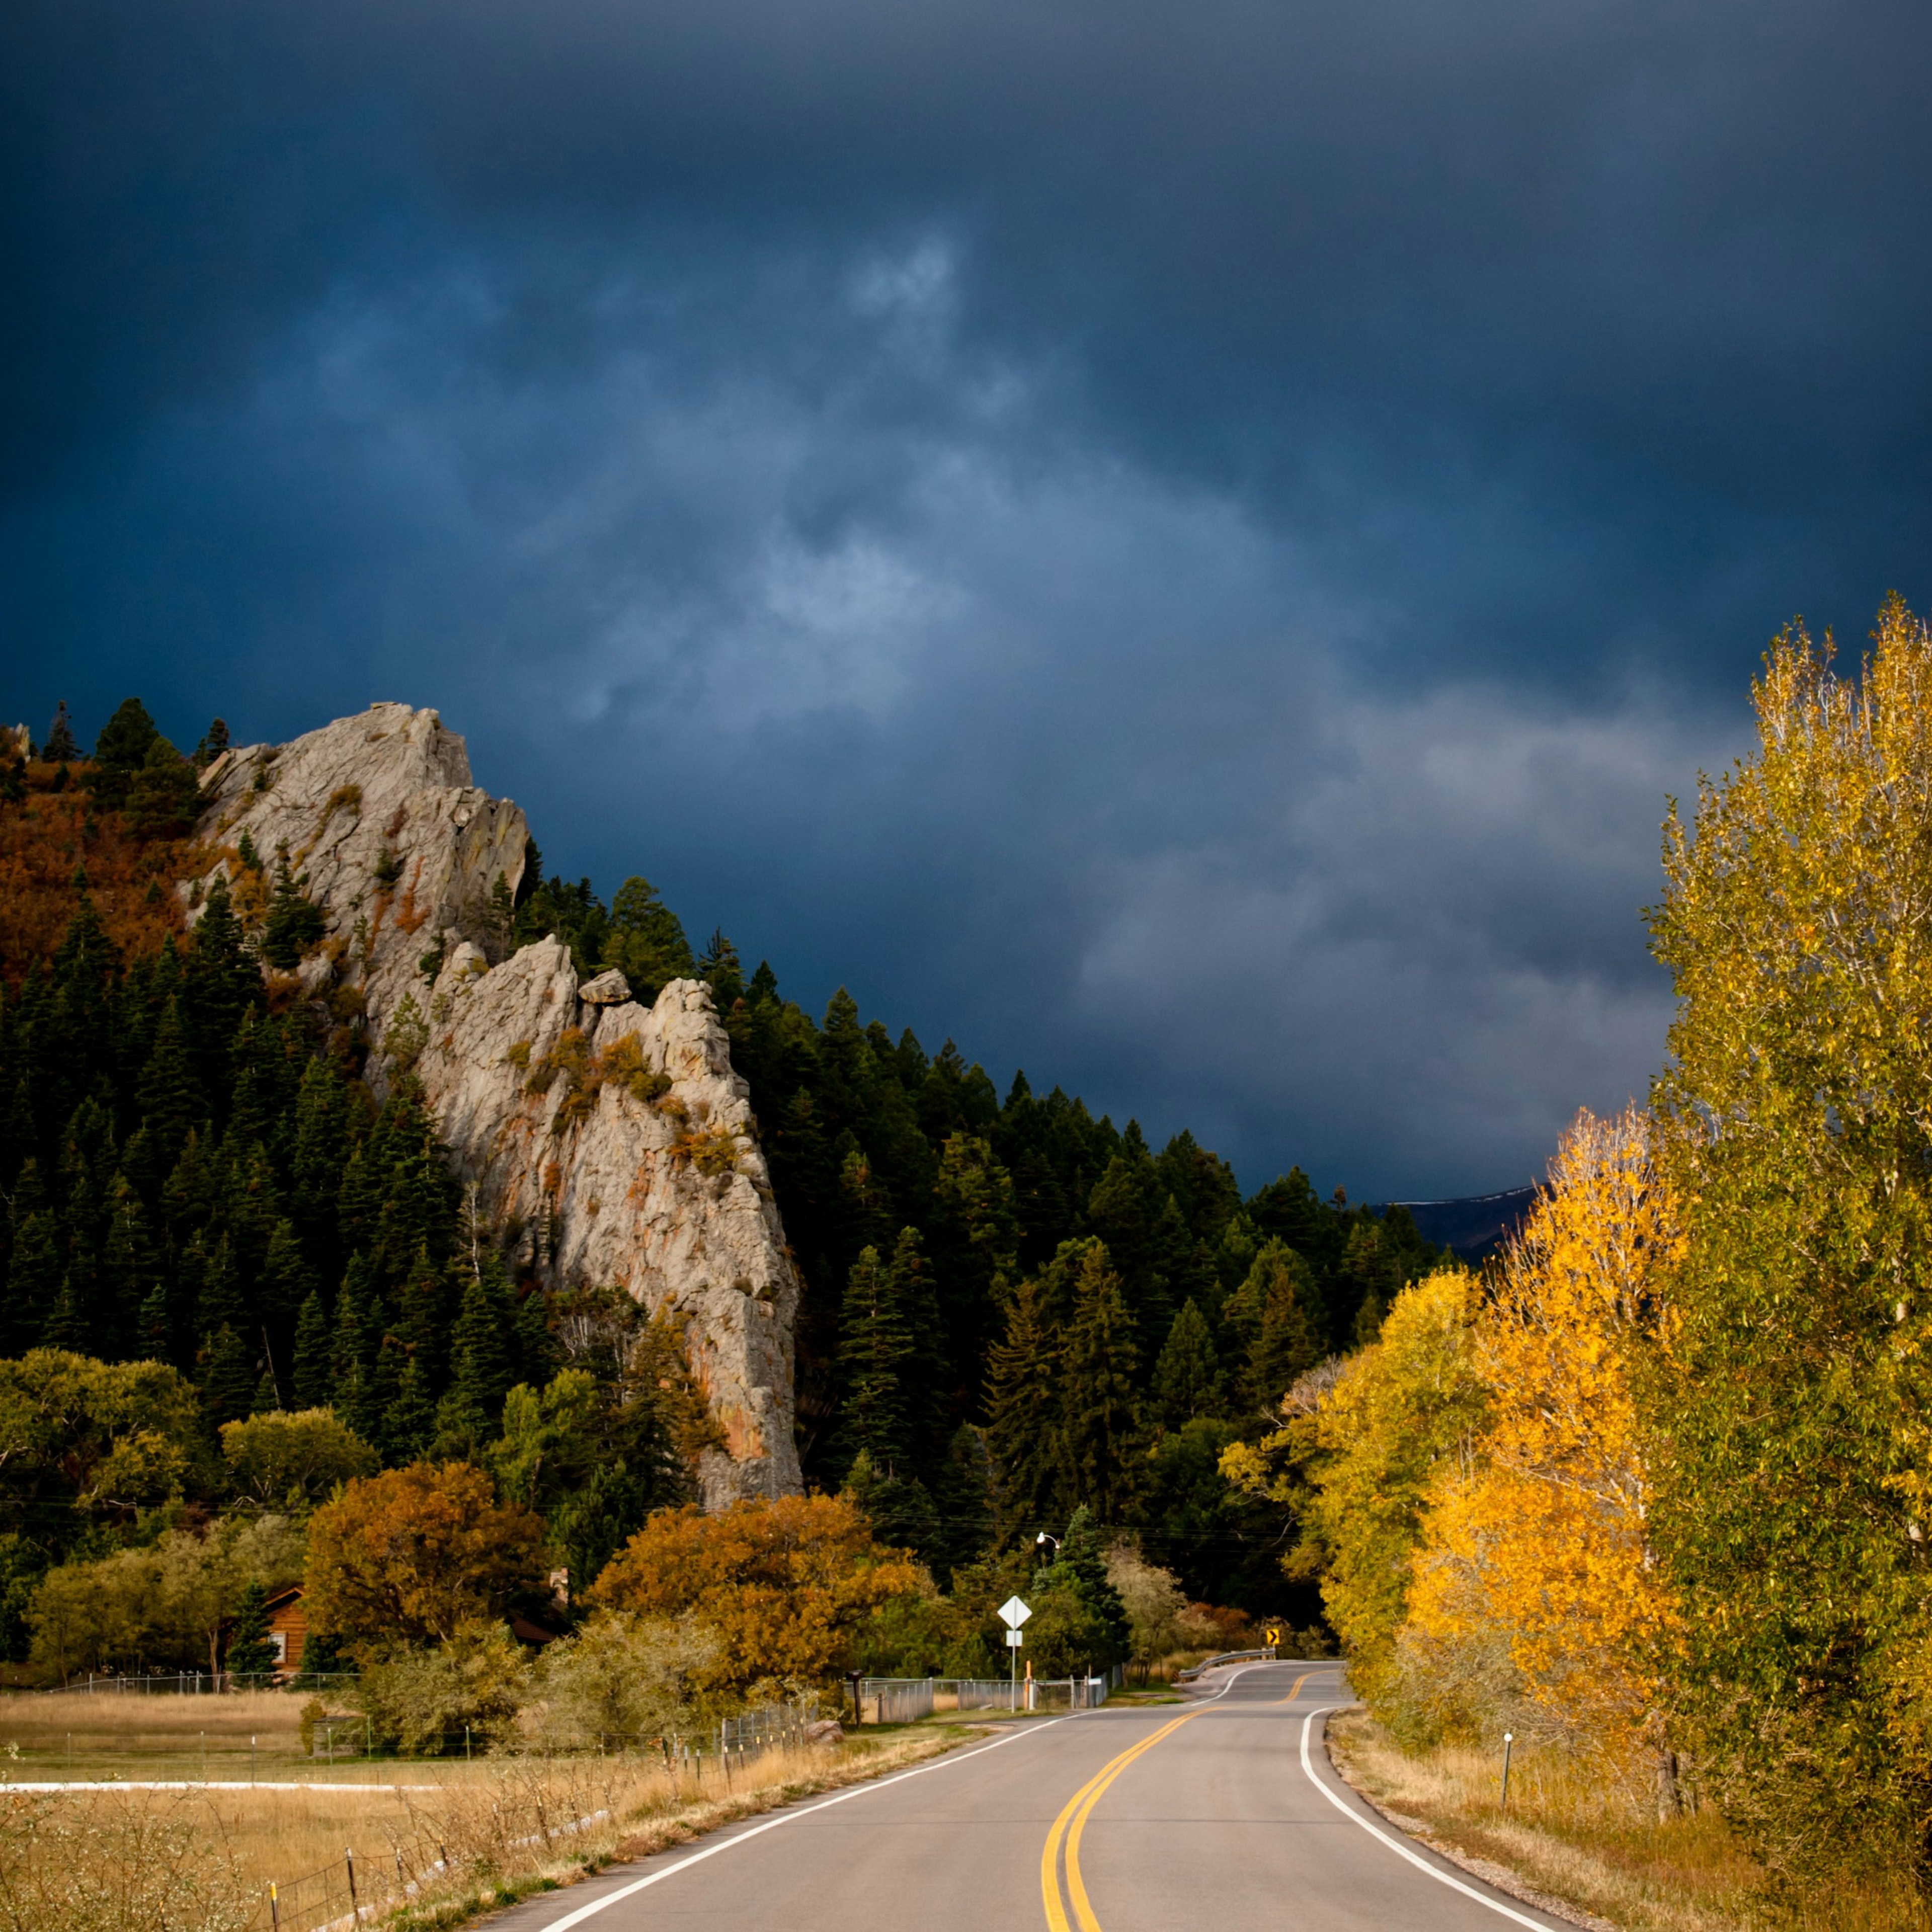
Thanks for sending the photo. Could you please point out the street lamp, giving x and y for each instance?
(1043, 1537)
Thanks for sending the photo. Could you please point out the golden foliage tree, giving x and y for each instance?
(414, 1553)
(1359, 1458)
(1536, 1584)
(785, 1584)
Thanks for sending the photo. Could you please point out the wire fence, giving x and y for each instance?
(532, 1804)
(188, 1683)
(905, 1700)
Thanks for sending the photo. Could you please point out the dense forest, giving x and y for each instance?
(1011, 1308)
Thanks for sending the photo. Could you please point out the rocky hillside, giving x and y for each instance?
(606, 1141)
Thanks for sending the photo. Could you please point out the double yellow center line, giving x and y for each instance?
(1072, 1822)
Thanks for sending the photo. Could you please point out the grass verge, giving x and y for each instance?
(1579, 1846)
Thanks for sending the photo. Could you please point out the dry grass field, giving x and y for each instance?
(1579, 1841)
(432, 1841)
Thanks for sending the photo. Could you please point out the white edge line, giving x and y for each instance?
(1395, 1845)
(786, 1817)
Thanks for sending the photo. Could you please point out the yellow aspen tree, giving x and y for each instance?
(1357, 1460)
(1540, 1548)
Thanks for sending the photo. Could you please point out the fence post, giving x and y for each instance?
(349, 1859)
(274, 1908)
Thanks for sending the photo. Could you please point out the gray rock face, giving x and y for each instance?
(607, 1142)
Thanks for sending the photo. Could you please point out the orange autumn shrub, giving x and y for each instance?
(785, 1584)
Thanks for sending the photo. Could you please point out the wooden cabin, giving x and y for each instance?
(288, 1629)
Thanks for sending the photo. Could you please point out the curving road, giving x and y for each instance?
(1225, 1815)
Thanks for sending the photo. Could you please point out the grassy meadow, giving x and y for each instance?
(434, 1840)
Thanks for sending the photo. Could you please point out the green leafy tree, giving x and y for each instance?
(1791, 1400)
(282, 1460)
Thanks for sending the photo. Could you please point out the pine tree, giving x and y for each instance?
(422, 1323)
(1099, 1427)
(866, 1210)
(1080, 1565)
(67, 1326)
(218, 1302)
(249, 1655)
(875, 1356)
(719, 967)
(294, 924)
(1187, 1377)
(356, 1343)
(1124, 1211)
(1277, 1311)
(314, 1382)
(221, 981)
(267, 1399)
(408, 1424)
(1023, 1401)
(320, 1158)
(899, 1508)
(62, 748)
(976, 1239)
(484, 1350)
(286, 1282)
(214, 742)
(34, 1273)
(133, 1270)
(228, 1378)
(121, 750)
(924, 1373)
(964, 1497)
(156, 1341)
(163, 795)
(645, 941)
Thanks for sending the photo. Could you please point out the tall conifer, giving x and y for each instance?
(1023, 1401)
(1099, 1428)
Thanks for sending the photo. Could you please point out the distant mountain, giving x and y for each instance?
(1474, 1226)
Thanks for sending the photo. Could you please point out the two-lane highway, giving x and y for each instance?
(1224, 1814)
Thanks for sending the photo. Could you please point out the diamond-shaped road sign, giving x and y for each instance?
(1013, 1612)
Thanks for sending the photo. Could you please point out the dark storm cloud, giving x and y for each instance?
(1187, 545)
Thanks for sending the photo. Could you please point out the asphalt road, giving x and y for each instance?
(1220, 1816)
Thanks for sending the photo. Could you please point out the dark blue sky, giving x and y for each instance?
(1185, 546)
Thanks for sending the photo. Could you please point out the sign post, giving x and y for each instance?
(1012, 1614)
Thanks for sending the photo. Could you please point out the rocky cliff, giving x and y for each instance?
(607, 1142)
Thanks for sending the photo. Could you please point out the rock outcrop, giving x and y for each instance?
(607, 1142)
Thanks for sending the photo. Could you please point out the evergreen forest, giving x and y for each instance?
(1012, 1309)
